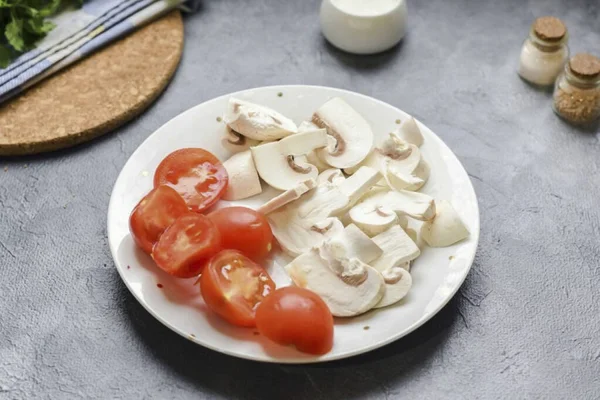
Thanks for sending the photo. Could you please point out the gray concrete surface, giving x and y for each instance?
(525, 324)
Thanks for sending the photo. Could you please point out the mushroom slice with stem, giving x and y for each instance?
(413, 204)
(397, 285)
(282, 164)
(333, 176)
(352, 133)
(446, 228)
(402, 164)
(257, 122)
(410, 132)
(312, 157)
(336, 272)
(236, 142)
(287, 197)
(243, 178)
(372, 216)
(312, 213)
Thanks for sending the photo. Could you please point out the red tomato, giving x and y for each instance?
(232, 286)
(297, 316)
(245, 230)
(153, 214)
(186, 246)
(197, 175)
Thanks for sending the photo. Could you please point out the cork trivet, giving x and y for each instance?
(95, 95)
(585, 65)
(549, 28)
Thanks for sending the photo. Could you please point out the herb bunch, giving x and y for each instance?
(23, 22)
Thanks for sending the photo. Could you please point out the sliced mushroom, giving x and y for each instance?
(397, 285)
(398, 248)
(352, 133)
(243, 178)
(308, 212)
(335, 272)
(236, 142)
(282, 165)
(257, 122)
(333, 176)
(410, 132)
(312, 157)
(413, 204)
(287, 197)
(403, 166)
(371, 216)
(446, 228)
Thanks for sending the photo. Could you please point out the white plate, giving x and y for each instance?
(437, 274)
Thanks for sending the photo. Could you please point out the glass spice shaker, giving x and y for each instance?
(544, 52)
(577, 90)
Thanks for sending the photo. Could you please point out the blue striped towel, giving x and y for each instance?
(78, 33)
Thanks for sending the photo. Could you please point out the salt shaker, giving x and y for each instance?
(544, 52)
(577, 90)
(363, 26)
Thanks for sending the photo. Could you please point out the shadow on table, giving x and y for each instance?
(364, 62)
(236, 378)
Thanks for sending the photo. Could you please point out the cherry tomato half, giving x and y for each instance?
(197, 175)
(232, 286)
(245, 230)
(153, 214)
(186, 246)
(296, 316)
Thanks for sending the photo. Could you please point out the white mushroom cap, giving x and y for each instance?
(257, 122)
(353, 135)
(397, 285)
(446, 228)
(236, 142)
(371, 216)
(397, 248)
(410, 132)
(282, 165)
(243, 178)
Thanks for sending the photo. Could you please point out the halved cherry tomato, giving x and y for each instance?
(153, 214)
(296, 316)
(245, 230)
(197, 175)
(186, 246)
(233, 286)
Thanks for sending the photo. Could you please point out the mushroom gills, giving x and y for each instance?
(257, 122)
(282, 164)
(243, 178)
(312, 157)
(352, 133)
(398, 282)
(236, 142)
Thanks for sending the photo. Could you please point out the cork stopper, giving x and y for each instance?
(550, 29)
(585, 66)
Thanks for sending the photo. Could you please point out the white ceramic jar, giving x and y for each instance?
(544, 52)
(363, 26)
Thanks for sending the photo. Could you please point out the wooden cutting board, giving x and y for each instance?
(97, 94)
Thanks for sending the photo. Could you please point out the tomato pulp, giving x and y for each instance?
(186, 246)
(196, 174)
(153, 214)
(233, 286)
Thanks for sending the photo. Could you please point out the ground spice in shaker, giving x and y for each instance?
(577, 90)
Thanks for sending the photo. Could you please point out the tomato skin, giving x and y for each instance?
(153, 214)
(186, 246)
(245, 230)
(196, 174)
(296, 316)
(232, 285)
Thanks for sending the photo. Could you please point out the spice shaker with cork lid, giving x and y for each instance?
(544, 52)
(577, 90)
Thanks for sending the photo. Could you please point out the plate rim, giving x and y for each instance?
(319, 359)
